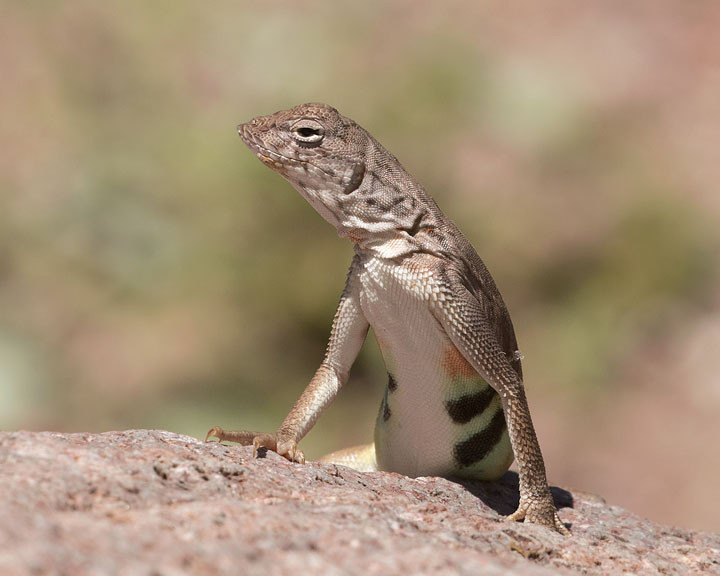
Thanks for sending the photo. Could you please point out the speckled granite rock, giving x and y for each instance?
(152, 502)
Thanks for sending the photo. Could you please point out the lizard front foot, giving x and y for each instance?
(277, 442)
(539, 511)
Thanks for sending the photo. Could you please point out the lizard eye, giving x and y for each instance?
(308, 132)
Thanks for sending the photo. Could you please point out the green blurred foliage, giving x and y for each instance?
(154, 274)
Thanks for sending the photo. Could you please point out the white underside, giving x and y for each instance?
(418, 436)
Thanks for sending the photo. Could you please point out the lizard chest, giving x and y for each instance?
(395, 299)
(438, 416)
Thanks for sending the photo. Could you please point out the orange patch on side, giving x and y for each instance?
(354, 238)
(456, 365)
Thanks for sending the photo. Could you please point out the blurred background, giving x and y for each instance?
(154, 274)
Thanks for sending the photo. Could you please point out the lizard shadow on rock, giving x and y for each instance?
(503, 495)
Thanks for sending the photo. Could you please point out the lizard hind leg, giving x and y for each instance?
(360, 458)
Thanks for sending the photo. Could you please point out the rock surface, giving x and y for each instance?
(152, 502)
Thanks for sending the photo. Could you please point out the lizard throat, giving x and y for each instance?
(294, 169)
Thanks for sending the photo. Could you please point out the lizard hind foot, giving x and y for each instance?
(539, 512)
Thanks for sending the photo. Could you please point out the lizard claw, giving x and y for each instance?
(215, 431)
(539, 512)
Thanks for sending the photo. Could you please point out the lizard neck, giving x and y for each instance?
(389, 214)
(398, 243)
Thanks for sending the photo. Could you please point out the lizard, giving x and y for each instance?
(455, 403)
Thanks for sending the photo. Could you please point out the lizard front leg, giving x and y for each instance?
(346, 338)
(319, 393)
(463, 317)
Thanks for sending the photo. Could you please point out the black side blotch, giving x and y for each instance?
(465, 408)
(392, 384)
(480, 444)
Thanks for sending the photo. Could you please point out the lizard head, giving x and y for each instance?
(320, 152)
(345, 174)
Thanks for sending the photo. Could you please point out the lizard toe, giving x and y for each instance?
(289, 449)
(215, 432)
(267, 441)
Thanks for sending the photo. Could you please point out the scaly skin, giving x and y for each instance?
(455, 403)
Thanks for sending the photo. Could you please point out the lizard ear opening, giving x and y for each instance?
(356, 177)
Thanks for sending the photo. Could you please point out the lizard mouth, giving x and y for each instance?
(268, 157)
(276, 160)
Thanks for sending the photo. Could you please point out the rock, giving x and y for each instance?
(153, 502)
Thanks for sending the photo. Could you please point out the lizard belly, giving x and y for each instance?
(438, 416)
